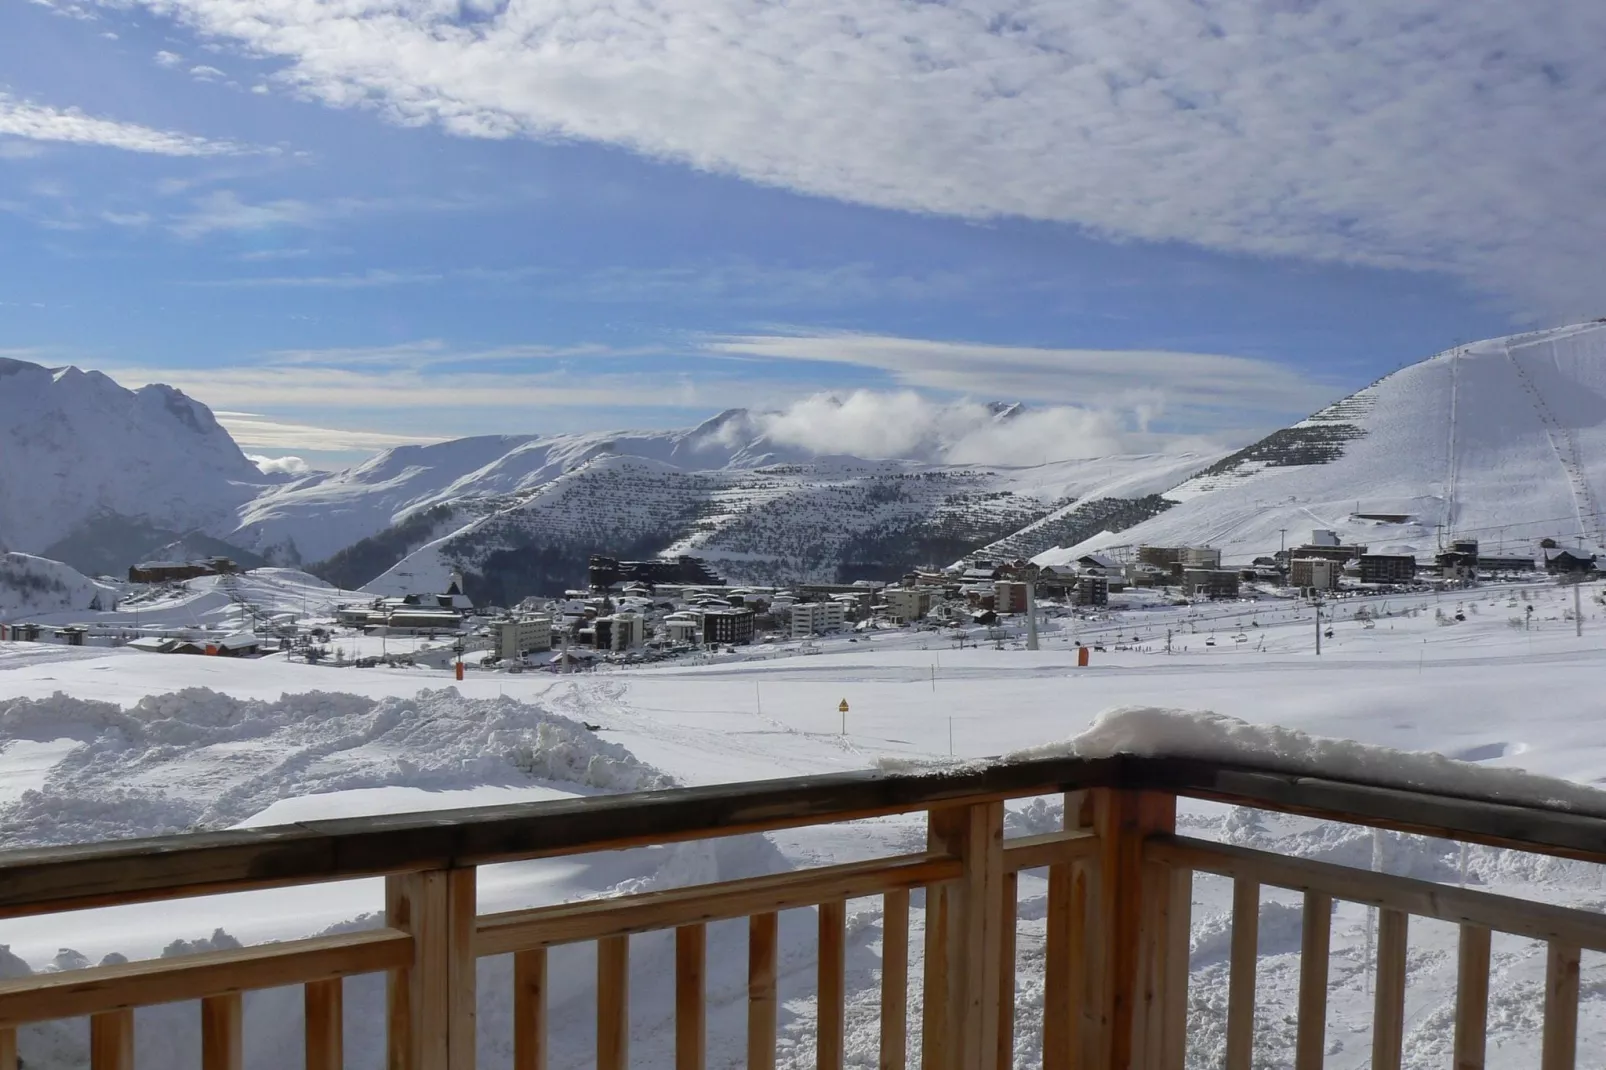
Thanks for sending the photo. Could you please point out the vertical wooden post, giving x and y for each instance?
(972, 929)
(761, 1002)
(894, 981)
(1388, 1015)
(613, 1003)
(1311, 1029)
(222, 1040)
(1006, 971)
(1175, 938)
(1135, 914)
(1060, 958)
(529, 1009)
(8, 1049)
(323, 1004)
(111, 1040)
(1559, 1049)
(831, 991)
(1471, 999)
(1241, 983)
(934, 970)
(691, 1019)
(432, 1002)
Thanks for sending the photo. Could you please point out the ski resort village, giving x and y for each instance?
(694, 749)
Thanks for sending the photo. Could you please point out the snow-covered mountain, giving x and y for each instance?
(31, 586)
(825, 520)
(1502, 440)
(95, 474)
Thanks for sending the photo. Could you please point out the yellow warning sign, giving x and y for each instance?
(842, 707)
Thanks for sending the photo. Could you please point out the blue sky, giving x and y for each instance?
(436, 219)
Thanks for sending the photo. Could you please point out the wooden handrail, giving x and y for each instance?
(1425, 899)
(73, 993)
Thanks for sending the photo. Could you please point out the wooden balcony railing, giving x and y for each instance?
(1117, 926)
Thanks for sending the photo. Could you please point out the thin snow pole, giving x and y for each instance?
(1031, 615)
(1578, 610)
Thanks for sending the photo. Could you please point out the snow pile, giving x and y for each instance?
(1154, 732)
(199, 759)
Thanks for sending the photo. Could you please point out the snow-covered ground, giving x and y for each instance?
(100, 743)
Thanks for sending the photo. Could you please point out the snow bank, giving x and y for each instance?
(200, 759)
(1155, 732)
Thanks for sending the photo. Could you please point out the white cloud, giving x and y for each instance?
(870, 423)
(206, 73)
(1461, 135)
(36, 122)
(168, 59)
(254, 431)
(1193, 388)
(292, 466)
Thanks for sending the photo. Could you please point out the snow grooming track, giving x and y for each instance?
(1565, 445)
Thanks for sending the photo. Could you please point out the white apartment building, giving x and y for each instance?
(813, 618)
(517, 636)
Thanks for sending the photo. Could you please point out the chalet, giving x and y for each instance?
(177, 571)
(238, 645)
(1102, 563)
(1562, 560)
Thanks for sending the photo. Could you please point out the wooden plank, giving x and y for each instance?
(324, 1006)
(1471, 999)
(691, 981)
(594, 919)
(529, 1010)
(1087, 1036)
(74, 993)
(1048, 849)
(1241, 982)
(1388, 1014)
(1059, 959)
(111, 1040)
(1178, 919)
(1559, 1048)
(1132, 909)
(1310, 1036)
(45, 880)
(222, 1035)
(8, 1049)
(613, 1003)
(1006, 971)
(1459, 906)
(1540, 829)
(831, 988)
(461, 969)
(894, 1052)
(972, 930)
(934, 1040)
(762, 1006)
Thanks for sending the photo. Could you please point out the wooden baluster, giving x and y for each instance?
(432, 1003)
(971, 925)
(529, 1009)
(1559, 1049)
(1311, 1029)
(761, 1001)
(323, 1003)
(222, 1040)
(934, 976)
(1388, 1015)
(8, 1049)
(1174, 930)
(613, 1003)
(111, 1040)
(1471, 999)
(831, 988)
(691, 1020)
(1060, 958)
(1006, 971)
(894, 981)
(1241, 983)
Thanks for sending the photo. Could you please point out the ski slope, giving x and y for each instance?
(108, 743)
(1502, 440)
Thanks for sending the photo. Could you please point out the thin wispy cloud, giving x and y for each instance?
(37, 122)
(1144, 381)
(1456, 135)
(255, 431)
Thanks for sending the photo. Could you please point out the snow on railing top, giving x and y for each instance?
(1148, 731)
